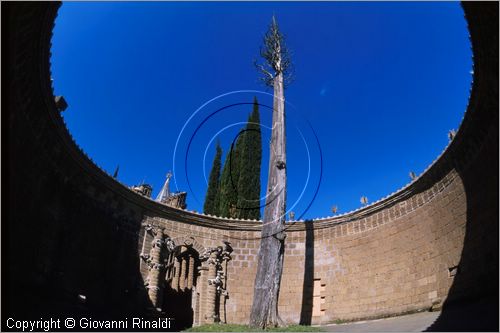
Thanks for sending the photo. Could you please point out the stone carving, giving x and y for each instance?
(143, 189)
(155, 262)
(216, 259)
(169, 243)
(178, 265)
(208, 253)
(29, 64)
(155, 288)
(157, 266)
(147, 227)
(158, 242)
(217, 281)
(226, 251)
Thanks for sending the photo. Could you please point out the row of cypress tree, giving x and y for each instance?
(236, 191)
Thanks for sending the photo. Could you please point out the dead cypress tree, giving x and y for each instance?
(276, 69)
(211, 205)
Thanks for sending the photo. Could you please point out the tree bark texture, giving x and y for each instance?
(270, 265)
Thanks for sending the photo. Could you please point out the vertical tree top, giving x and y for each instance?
(276, 56)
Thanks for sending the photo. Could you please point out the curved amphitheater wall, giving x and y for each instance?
(72, 229)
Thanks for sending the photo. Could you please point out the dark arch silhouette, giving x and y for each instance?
(70, 231)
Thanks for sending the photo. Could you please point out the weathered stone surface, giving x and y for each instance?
(70, 229)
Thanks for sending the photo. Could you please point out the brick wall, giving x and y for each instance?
(72, 229)
(393, 261)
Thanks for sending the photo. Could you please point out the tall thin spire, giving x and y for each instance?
(115, 174)
(165, 191)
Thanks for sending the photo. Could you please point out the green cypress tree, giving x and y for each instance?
(250, 162)
(229, 181)
(211, 205)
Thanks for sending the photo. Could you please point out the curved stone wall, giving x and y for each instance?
(73, 230)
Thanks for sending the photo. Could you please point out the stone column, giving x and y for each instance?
(177, 274)
(202, 288)
(182, 278)
(223, 292)
(170, 247)
(155, 266)
(212, 287)
(143, 246)
(226, 256)
(195, 305)
(168, 266)
(191, 272)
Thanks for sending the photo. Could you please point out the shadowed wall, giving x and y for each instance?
(70, 229)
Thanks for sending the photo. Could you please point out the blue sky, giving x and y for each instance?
(377, 87)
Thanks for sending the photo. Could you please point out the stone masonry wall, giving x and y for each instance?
(398, 260)
(71, 230)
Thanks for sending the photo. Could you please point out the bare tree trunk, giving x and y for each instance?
(270, 266)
